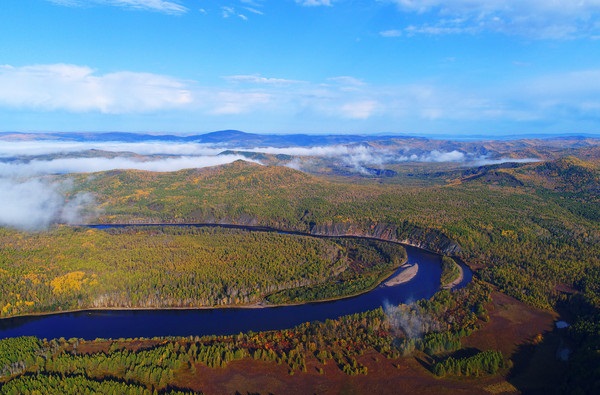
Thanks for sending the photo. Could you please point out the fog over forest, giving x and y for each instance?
(32, 198)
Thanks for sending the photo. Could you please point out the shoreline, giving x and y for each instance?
(262, 304)
(386, 280)
(458, 280)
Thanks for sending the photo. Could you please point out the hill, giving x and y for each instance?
(529, 229)
(483, 221)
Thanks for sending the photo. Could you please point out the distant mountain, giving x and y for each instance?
(251, 140)
(226, 138)
(420, 147)
(90, 137)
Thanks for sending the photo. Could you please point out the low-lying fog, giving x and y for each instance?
(28, 201)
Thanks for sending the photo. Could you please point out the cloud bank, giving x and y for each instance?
(47, 147)
(80, 89)
(92, 165)
(31, 202)
(343, 100)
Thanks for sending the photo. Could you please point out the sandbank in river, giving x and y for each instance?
(404, 276)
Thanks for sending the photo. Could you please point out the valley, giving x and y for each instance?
(527, 225)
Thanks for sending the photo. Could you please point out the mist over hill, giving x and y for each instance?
(37, 190)
(298, 151)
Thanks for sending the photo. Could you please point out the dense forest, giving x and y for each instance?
(531, 239)
(77, 268)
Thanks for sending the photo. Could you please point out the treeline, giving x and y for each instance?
(450, 271)
(443, 321)
(75, 268)
(162, 365)
(77, 385)
(482, 363)
(533, 239)
(437, 325)
(370, 262)
(529, 238)
(158, 365)
(16, 354)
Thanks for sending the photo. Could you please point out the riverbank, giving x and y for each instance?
(404, 276)
(458, 279)
(392, 278)
(385, 279)
(187, 321)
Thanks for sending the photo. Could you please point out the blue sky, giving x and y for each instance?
(426, 67)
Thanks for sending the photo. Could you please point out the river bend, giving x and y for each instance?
(92, 324)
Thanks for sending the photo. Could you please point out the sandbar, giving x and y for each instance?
(404, 276)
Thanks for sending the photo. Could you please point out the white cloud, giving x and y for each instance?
(28, 201)
(545, 19)
(359, 110)
(227, 12)
(572, 94)
(22, 207)
(567, 7)
(92, 165)
(575, 83)
(364, 154)
(322, 151)
(347, 80)
(79, 89)
(485, 162)
(314, 3)
(167, 7)
(440, 156)
(59, 88)
(359, 158)
(258, 79)
(231, 102)
(47, 147)
(254, 10)
(391, 33)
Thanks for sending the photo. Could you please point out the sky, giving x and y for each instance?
(429, 67)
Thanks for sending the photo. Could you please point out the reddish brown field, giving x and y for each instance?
(385, 377)
(511, 325)
(513, 328)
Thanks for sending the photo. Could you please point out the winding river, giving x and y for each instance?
(92, 324)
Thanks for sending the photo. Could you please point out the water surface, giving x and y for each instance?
(225, 321)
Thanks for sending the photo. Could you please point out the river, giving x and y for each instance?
(92, 324)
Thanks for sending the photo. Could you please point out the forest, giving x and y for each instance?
(149, 267)
(529, 240)
(530, 231)
(141, 366)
